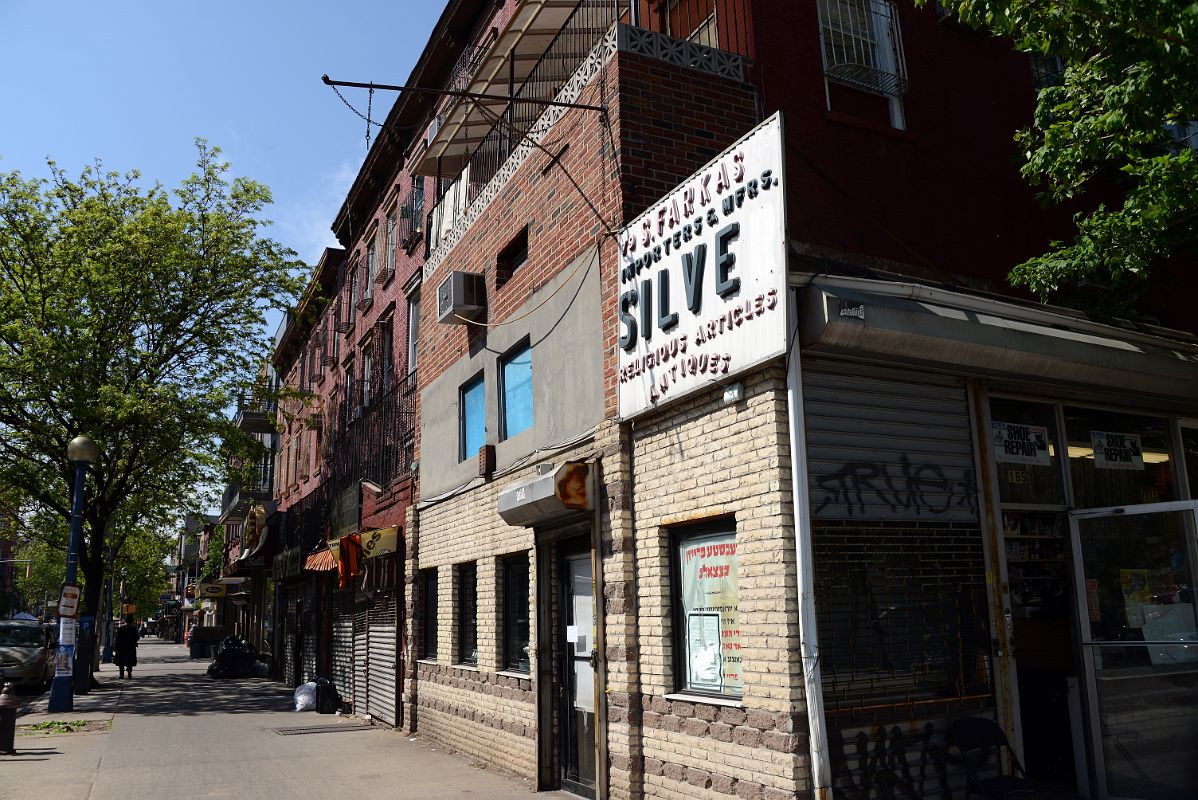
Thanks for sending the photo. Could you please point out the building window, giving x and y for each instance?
(468, 613)
(413, 329)
(515, 613)
(472, 421)
(428, 601)
(1047, 71)
(392, 244)
(707, 636)
(516, 392)
(512, 257)
(861, 45)
(367, 377)
(371, 266)
(383, 342)
(350, 397)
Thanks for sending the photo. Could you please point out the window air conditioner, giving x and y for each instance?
(462, 295)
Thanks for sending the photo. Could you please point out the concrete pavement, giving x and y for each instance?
(177, 732)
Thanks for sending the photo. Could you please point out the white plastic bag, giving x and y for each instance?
(305, 697)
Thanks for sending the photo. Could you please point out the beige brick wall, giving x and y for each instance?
(702, 460)
(454, 704)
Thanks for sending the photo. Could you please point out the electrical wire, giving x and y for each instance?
(607, 227)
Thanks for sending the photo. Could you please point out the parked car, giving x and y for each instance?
(26, 653)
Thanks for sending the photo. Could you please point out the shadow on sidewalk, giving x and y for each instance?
(189, 694)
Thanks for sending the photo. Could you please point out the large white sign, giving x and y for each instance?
(702, 290)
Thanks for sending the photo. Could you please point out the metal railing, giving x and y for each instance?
(307, 520)
(259, 482)
(861, 45)
(724, 25)
(582, 30)
(374, 442)
(466, 65)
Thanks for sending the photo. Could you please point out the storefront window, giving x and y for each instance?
(1118, 459)
(1024, 440)
(708, 637)
(1189, 445)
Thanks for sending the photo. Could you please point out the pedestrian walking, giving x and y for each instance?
(125, 656)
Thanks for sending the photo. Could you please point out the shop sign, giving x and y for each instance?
(711, 610)
(209, 590)
(701, 295)
(1015, 443)
(381, 542)
(1117, 450)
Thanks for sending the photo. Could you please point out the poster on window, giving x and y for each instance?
(1015, 443)
(711, 613)
(1117, 450)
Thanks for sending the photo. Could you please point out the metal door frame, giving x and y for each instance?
(573, 550)
(1097, 754)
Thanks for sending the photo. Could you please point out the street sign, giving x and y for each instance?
(68, 603)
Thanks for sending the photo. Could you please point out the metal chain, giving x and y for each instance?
(369, 106)
(362, 116)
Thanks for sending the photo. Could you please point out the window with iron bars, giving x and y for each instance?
(693, 20)
(862, 47)
(368, 267)
(411, 214)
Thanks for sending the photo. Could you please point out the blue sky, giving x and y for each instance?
(134, 82)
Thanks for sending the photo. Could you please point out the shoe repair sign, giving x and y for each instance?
(703, 277)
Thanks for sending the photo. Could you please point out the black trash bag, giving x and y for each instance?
(328, 700)
(236, 659)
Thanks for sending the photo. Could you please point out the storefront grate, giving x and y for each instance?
(300, 730)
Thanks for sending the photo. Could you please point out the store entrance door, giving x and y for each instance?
(1134, 575)
(576, 705)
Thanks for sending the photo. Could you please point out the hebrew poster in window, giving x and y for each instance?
(711, 613)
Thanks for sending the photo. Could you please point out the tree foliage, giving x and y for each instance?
(1120, 115)
(134, 315)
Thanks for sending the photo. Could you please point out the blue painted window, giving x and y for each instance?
(517, 391)
(473, 433)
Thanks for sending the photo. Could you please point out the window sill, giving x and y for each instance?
(465, 667)
(508, 673)
(702, 698)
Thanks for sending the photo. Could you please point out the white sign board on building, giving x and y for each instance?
(702, 289)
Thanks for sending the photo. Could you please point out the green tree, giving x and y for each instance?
(1121, 115)
(137, 316)
(141, 564)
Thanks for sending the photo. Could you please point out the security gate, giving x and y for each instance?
(291, 643)
(343, 645)
(382, 662)
(361, 676)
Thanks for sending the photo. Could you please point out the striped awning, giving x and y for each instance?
(322, 561)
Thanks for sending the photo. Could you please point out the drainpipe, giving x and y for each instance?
(634, 13)
(599, 655)
(804, 561)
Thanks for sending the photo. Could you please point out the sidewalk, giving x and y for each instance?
(175, 730)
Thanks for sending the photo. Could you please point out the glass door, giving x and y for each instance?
(577, 711)
(1134, 576)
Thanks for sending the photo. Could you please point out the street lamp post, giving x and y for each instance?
(81, 452)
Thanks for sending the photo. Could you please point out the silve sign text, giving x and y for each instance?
(703, 276)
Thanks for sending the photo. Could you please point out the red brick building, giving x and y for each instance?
(740, 472)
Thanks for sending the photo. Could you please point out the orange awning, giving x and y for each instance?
(320, 562)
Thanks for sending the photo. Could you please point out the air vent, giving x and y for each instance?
(461, 296)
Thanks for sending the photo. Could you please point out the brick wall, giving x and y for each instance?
(700, 460)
